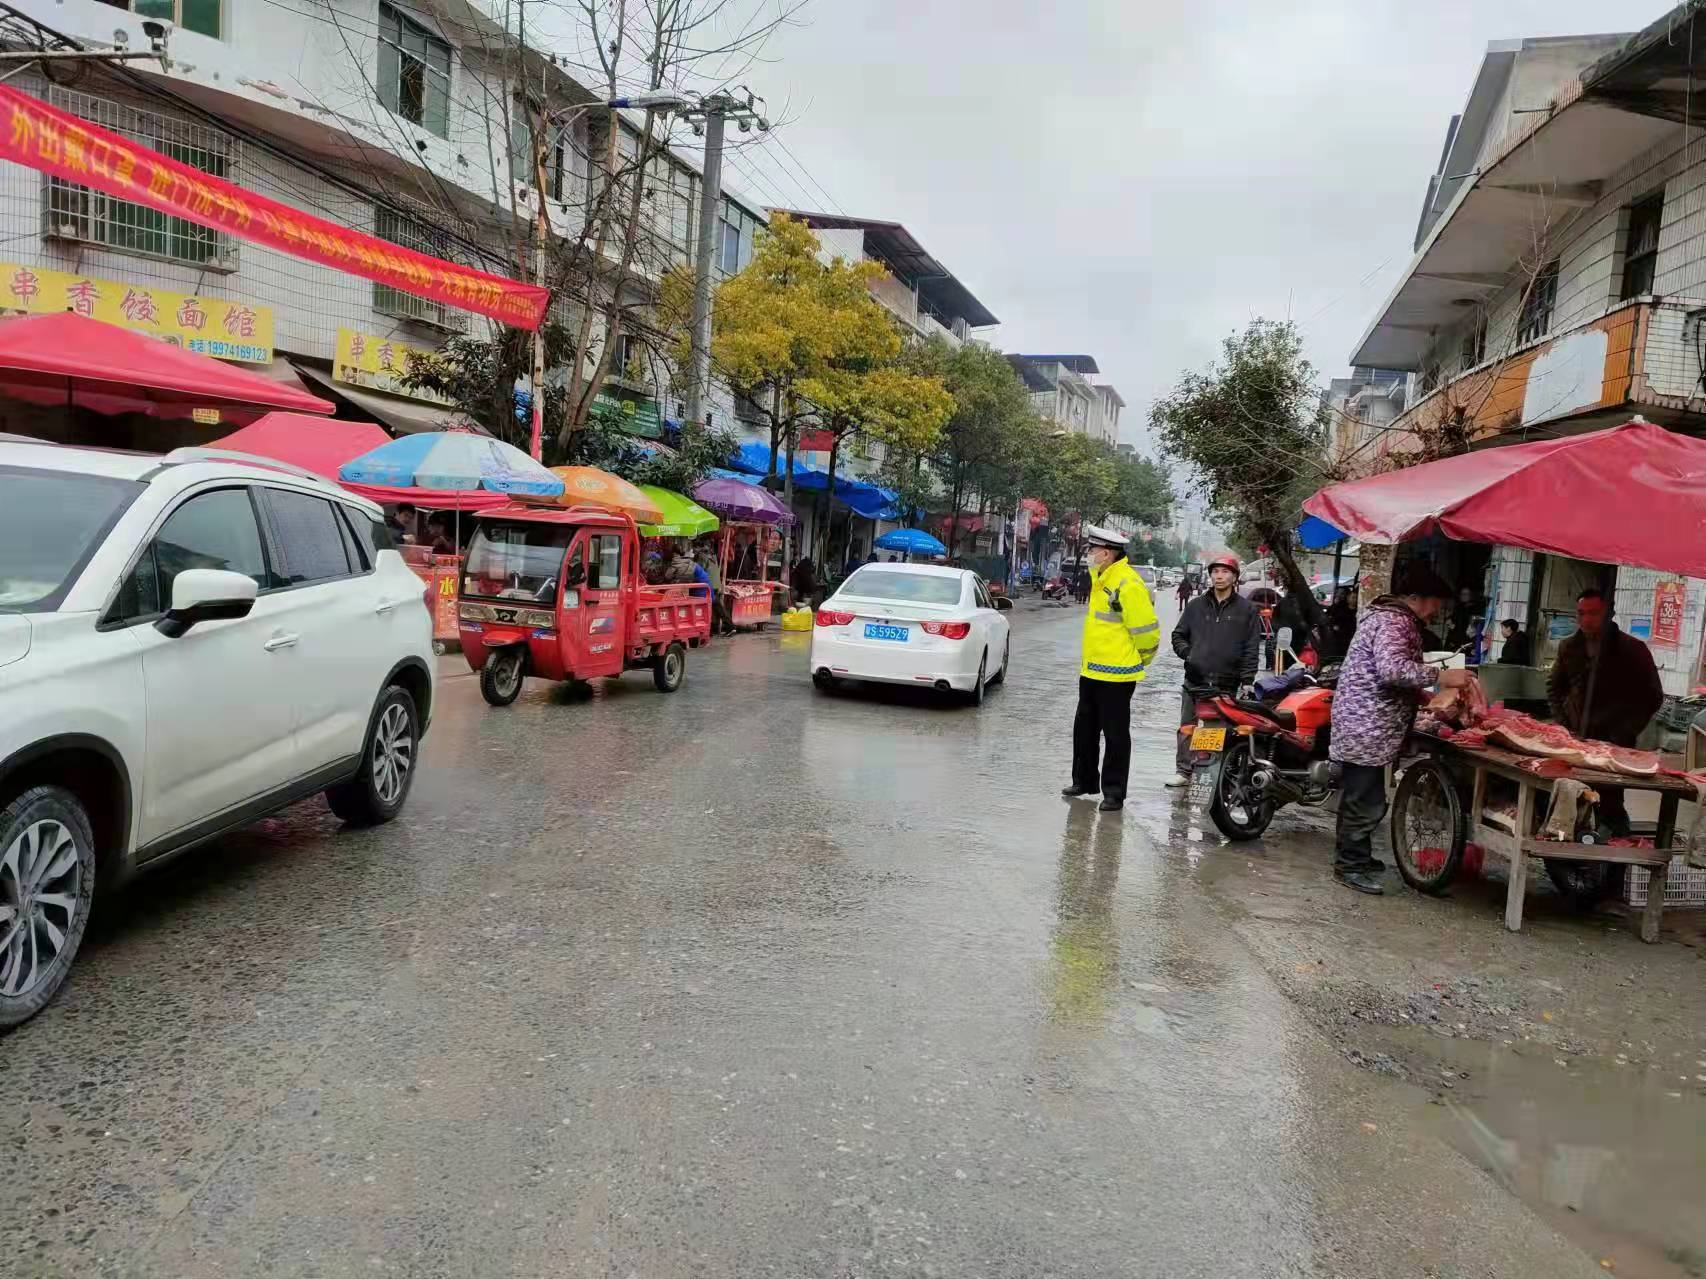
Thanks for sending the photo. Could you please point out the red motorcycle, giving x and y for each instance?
(1251, 756)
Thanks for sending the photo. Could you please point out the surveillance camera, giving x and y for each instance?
(158, 31)
(121, 38)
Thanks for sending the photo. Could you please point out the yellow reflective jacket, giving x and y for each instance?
(1121, 631)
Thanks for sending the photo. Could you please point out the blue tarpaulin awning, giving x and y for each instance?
(1315, 534)
(869, 500)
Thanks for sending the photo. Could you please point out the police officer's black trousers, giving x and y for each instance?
(1104, 713)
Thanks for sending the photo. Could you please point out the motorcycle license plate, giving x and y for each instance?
(1208, 739)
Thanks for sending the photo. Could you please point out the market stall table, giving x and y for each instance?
(1447, 763)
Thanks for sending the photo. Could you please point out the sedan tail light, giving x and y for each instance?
(829, 617)
(948, 630)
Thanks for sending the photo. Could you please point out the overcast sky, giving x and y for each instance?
(1137, 180)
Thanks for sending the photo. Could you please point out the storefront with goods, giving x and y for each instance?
(1495, 773)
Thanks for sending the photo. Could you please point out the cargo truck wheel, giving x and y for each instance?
(500, 677)
(670, 670)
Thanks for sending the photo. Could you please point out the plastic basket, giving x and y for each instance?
(1685, 885)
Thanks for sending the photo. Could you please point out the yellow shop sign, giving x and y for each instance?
(379, 364)
(207, 326)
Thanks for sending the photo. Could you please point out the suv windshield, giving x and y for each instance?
(50, 524)
(517, 561)
(909, 588)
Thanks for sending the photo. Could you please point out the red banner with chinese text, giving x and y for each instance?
(43, 137)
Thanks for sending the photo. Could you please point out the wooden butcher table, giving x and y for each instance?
(1464, 771)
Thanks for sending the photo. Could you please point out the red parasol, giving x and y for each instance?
(318, 444)
(68, 359)
(1628, 495)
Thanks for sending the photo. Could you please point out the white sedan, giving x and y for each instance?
(916, 624)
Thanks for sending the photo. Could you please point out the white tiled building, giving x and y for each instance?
(393, 118)
(1559, 281)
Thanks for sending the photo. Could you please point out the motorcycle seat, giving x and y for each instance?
(1285, 719)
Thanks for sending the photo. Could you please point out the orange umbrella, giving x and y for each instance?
(589, 486)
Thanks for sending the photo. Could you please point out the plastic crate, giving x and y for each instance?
(1685, 885)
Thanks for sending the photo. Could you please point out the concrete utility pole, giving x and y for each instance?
(709, 118)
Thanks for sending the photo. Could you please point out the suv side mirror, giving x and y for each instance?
(1002, 603)
(206, 595)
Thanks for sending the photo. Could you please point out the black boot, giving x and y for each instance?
(1110, 805)
(1075, 790)
(1363, 880)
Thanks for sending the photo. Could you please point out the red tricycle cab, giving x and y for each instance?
(556, 593)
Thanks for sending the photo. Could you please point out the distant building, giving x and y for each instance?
(1359, 409)
(1069, 391)
(920, 292)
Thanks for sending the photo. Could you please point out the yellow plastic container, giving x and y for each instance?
(801, 621)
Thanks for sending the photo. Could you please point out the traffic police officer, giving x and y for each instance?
(1121, 634)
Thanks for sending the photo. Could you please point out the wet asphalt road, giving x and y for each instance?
(743, 981)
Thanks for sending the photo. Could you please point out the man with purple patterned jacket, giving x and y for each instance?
(1380, 685)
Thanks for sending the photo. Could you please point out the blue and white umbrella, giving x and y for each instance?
(914, 541)
(452, 460)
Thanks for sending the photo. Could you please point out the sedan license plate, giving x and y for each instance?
(875, 631)
(1208, 739)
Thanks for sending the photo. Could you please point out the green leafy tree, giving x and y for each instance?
(1253, 428)
(990, 427)
(1142, 492)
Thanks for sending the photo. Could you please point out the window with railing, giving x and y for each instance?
(1474, 346)
(1641, 247)
(414, 71)
(1536, 319)
(411, 233)
(78, 214)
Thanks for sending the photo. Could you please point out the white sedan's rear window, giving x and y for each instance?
(902, 587)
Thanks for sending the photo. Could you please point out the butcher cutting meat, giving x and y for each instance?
(1604, 686)
(1380, 686)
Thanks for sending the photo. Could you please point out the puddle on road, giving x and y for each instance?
(1614, 1157)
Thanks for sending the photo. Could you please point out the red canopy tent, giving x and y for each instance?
(322, 445)
(68, 359)
(1634, 494)
(318, 444)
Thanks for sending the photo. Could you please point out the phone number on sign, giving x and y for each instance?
(230, 350)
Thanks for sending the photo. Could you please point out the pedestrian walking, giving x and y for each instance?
(1219, 636)
(1380, 685)
(1121, 635)
(1184, 591)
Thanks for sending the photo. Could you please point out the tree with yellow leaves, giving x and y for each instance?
(803, 340)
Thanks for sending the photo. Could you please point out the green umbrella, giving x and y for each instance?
(682, 517)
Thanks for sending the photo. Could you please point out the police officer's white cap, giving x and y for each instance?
(1095, 535)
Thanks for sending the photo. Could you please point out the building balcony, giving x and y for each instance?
(1640, 357)
(897, 297)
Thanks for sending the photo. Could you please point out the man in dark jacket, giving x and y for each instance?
(1220, 636)
(1515, 651)
(1604, 686)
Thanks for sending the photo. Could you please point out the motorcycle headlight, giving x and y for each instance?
(535, 617)
(475, 613)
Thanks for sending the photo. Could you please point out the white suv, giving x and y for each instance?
(187, 643)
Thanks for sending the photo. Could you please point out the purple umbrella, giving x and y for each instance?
(737, 500)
